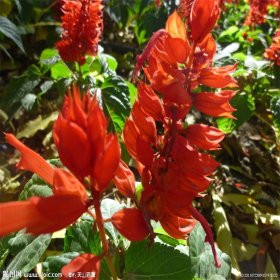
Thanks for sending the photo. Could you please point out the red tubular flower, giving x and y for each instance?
(43, 214)
(215, 104)
(83, 26)
(99, 153)
(87, 265)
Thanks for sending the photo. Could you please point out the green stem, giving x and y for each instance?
(102, 234)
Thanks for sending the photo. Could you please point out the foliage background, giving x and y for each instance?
(243, 202)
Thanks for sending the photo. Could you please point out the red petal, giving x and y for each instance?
(204, 136)
(85, 266)
(176, 27)
(73, 146)
(31, 161)
(40, 215)
(218, 77)
(131, 224)
(124, 180)
(65, 183)
(130, 135)
(107, 163)
(150, 102)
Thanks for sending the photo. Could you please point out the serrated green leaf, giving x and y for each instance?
(11, 31)
(81, 237)
(156, 262)
(28, 258)
(202, 259)
(115, 94)
(33, 126)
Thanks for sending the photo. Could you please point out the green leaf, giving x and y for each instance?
(156, 262)
(54, 264)
(33, 126)
(81, 237)
(202, 259)
(11, 31)
(16, 90)
(49, 57)
(108, 208)
(111, 61)
(60, 70)
(36, 186)
(28, 258)
(115, 94)
(275, 109)
(244, 104)
(19, 242)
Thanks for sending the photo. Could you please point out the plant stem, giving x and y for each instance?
(102, 234)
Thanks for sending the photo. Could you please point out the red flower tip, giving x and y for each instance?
(203, 17)
(86, 266)
(31, 161)
(131, 224)
(124, 180)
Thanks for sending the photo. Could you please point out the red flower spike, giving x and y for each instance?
(124, 180)
(83, 27)
(31, 161)
(99, 153)
(131, 224)
(204, 136)
(145, 153)
(215, 104)
(203, 17)
(87, 265)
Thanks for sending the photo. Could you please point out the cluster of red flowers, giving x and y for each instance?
(82, 29)
(259, 10)
(168, 153)
(93, 159)
(273, 52)
(174, 171)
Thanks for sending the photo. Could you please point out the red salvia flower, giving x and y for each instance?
(82, 29)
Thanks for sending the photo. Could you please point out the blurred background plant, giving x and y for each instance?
(243, 203)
